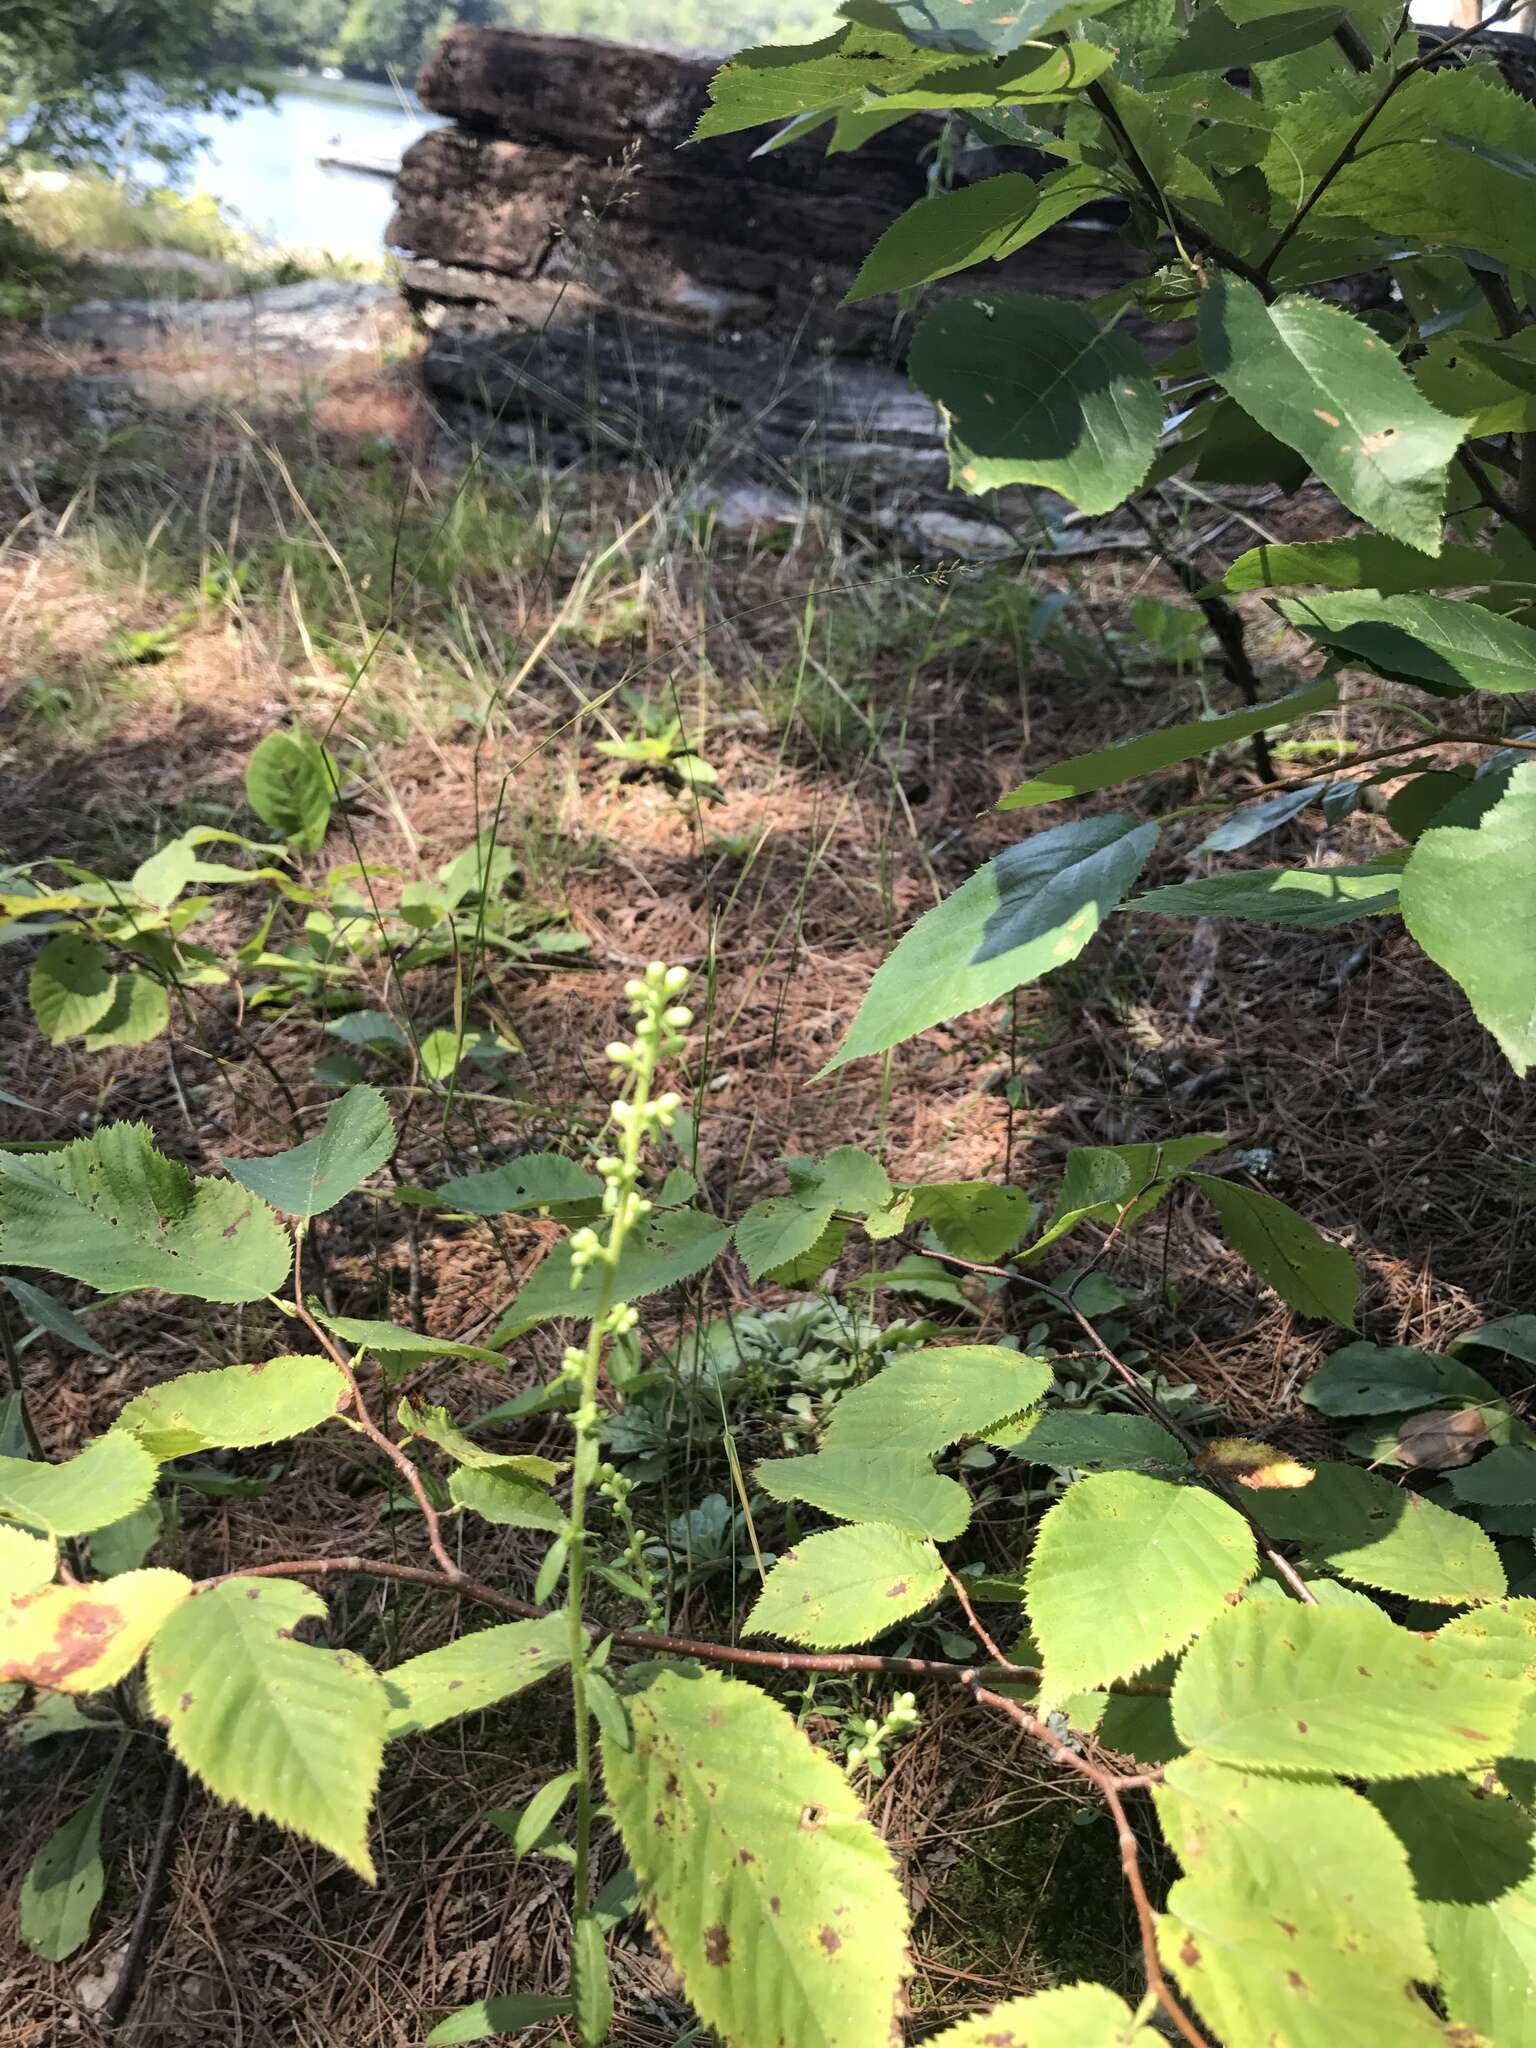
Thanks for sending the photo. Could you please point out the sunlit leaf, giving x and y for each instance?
(842, 1586)
(358, 1137)
(85, 1638)
(1126, 1568)
(290, 1732)
(776, 1899)
(1276, 1686)
(235, 1406)
(476, 1671)
(1027, 912)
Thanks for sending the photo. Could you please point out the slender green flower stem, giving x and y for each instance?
(635, 1114)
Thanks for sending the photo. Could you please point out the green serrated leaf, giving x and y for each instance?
(292, 1733)
(1469, 898)
(1075, 2016)
(107, 1480)
(476, 1671)
(112, 1211)
(778, 1231)
(1296, 1919)
(971, 1218)
(1036, 392)
(358, 1137)
(1125, 1569)
(1506, 1477)
(1117, 1183)
(392, 1340)
(846, 1178)
(668, 1247)
(27, 1562)
(1471, 1858)
(842, 1586)
(1362, 561)
(83, 1638)
(1025, 913)
(439, 1427)
(898, 1489)
(235, 1406)
(1445, 645)
(289, 783)
(1452, 160)
(929, 1399)
(1314, 898)
(71, 986)
(1151, 751)
(1320, 381)
(1271, 1686)
(777, 1900)
(141, 1011)
(1307, 1272)
(1367, 1529)
(506, 1499)
(1376, 1379)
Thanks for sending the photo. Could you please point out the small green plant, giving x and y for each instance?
(1265, 1646)
(660, 748)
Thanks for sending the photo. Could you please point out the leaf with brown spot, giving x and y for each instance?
(85, 1638)
(811, 1921)
(844, 1585)
(1296, 1920)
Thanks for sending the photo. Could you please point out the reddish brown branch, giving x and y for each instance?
(850, 1661)
(1110, 1789)
(404, 1465)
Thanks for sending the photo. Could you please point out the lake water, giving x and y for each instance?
(263, 163)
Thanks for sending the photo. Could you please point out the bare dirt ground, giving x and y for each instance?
(862, 719)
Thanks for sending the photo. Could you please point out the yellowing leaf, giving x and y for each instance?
(83, 1638)
(1253, 1464)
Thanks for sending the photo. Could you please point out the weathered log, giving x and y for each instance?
(570, 159)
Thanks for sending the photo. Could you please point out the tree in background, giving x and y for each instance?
(92, 82)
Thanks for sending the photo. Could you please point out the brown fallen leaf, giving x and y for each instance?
(1441, 1439)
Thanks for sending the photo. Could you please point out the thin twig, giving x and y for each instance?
(847, 1662)
(986, 1641)
(403, 1464)
(1110, 1789)
(157, 1878)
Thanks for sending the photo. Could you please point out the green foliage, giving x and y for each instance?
(1318, 380)
(101, 1484)
(290, 781)
(1125, 1569)
(1469, 898)
(65, 1880)
(845, 1586)
(1076, 2016)
(1307, 1272)
(1272, 1687)
(112, 1211)
(1036, 392)
(235, 1406)
(1353, 1934)
(281, 1728)
(478, 1670)
(1377, 1534)
(930, 1399)
(777, 1900)
(358, 1138)
(897, 1488)
(1030, 910)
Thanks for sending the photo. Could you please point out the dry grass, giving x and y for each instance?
(859, 743)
